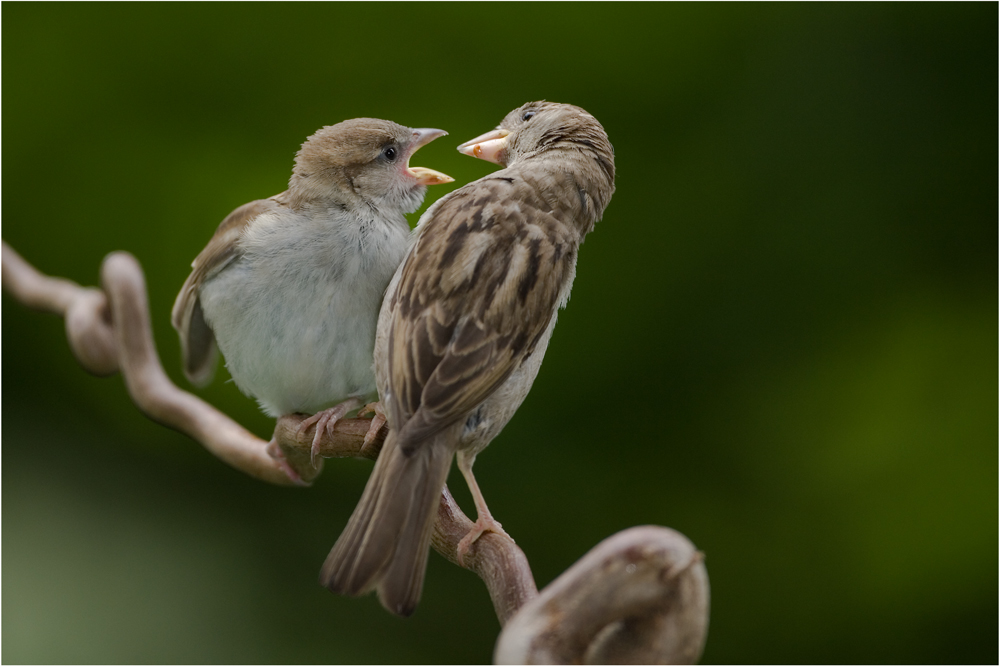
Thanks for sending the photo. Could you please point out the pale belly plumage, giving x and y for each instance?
(296, 325)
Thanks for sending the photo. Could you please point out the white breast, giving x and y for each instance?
(295, 315)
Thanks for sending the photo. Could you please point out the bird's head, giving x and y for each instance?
(560, 138)
(537, 128)
(364, 162)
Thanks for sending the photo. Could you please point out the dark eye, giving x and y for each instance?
(389, 153)
(528, 115)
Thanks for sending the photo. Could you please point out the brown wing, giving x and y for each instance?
(198, 349)
(475, 295)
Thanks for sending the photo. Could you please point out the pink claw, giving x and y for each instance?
(482, 525)
(325, 422)
(377, 422)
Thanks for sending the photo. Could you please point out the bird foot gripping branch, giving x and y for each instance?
(377, 425)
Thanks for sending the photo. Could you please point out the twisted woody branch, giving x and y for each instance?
(640, 596)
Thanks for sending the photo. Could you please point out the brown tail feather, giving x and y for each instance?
(387, 538)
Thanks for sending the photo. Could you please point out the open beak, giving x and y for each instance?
(425, 176)
(489, 146)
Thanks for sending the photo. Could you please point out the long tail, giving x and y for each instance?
(387, 538)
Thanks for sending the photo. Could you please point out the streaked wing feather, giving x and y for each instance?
(459, 331)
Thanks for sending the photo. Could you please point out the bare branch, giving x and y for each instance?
(88, 319)
(640, 596)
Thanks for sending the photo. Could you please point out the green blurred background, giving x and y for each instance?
(782, 339)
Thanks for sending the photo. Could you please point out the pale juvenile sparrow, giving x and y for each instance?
(290, 287)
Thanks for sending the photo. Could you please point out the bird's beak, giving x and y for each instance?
(425, 176)
(489, 146)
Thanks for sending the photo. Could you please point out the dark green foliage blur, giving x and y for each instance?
(782, 339)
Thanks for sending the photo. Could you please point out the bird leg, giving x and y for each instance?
(484, 520)
(377, 422)
(326, 420)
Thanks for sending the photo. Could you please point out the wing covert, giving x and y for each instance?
(198, 349)
(459, 329)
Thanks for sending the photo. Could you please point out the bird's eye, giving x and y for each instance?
(528, 115)
(389, 153)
